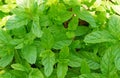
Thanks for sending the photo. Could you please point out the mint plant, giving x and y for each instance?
(61, 39)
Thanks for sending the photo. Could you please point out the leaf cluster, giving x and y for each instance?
(60, 39)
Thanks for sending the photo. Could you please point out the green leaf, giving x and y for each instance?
(117, 63)
(74, 38)
(91, 75)
(29, 7)
(20, 12)
(47, 40)
(44, 20)
(84, 67)
(117, 56)
(114, 25)
(6, 75)
(58, 30)
(62, 66)
(48, 61)
(16, 22)
(34, 7)
(107, 62)
(56, 13)
(85, 15)
(3, 53)
(29, 53)
(101, 17)
(18, 66)
(4, 61)
(61, 44)
(73, 23)
(70, 34)
(92, 59)
(81, 30)
(2, 14)
(19, 32)
(62, 69)
(36, 30)
(35, 73)
(99, 36)
(66, 16)
(75, 61)
(64, 53)
(18, 74)
(29, 38)
(16, 41)
(4, 37)
(72, 74)
(93, 64)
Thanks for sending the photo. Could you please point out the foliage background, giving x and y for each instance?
(59, 38)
